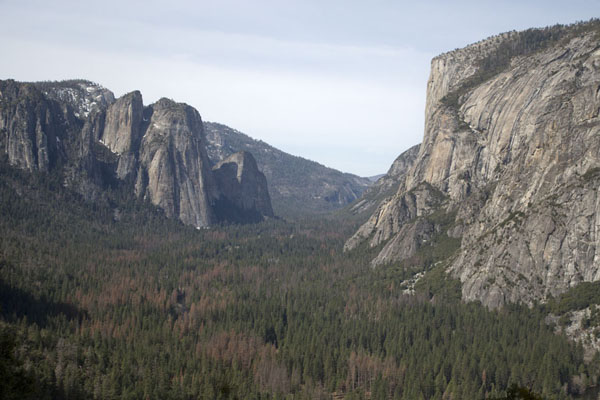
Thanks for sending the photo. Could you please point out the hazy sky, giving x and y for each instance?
(339, 82)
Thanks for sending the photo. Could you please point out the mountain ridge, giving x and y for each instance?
(298, 187)
(107, 134)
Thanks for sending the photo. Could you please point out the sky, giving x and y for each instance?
(338, 82)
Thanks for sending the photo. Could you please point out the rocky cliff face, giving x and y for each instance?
(511, 154)
(388, 184)
(243, 187)
(174, 171)
(157, 153)
(297, 187)
(30, 125)
(122, 131)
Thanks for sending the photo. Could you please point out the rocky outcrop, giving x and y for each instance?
(576, 325)
(297, 187)
(243, 188)
(155, 153)
(122, 131)
(174, 171)
(391, 217)
(387, 185)
(512, 144)
(399, 168)
(31, 127)
(122, 126)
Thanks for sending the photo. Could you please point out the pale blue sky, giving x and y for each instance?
(339, 82)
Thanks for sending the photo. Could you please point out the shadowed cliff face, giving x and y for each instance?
(514, 155)
(242, 184)
(30, 125)
(157, 152)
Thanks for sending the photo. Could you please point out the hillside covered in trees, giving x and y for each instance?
(139, 306)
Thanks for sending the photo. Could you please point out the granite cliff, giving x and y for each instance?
(240, 182)
(508, 170)
(387, 185)
(156, 153)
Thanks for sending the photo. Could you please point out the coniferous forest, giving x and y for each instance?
(105, 302)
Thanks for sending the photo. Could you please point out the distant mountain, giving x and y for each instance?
(120, 149)
(375, 178)
(298, 187)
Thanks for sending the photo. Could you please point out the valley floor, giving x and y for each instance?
(144, 307)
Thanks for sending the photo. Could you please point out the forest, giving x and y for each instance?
(114, 301)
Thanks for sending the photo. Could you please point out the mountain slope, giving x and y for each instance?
(508, 168)
(298, 187)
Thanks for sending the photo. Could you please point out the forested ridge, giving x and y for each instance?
(110, 301)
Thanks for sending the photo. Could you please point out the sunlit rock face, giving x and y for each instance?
(513, 154)
(174, 172)
(387, 185)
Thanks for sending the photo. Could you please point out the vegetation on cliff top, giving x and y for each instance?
(516, 44)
